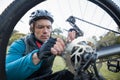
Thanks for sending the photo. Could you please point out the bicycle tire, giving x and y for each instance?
(111, 8)
(8, 19)
(13, 13)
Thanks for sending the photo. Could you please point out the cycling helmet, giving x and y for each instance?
(40, 14)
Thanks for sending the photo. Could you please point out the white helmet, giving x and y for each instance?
(40, 14)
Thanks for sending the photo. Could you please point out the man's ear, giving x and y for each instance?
(31, 28)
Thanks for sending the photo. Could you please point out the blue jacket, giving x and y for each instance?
(20, 66)
(17, 66)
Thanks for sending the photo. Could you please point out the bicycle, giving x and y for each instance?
(19, 8)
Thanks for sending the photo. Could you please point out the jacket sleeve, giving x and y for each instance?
(19, 67)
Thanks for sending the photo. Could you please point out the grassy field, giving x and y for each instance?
(59, 64)
(108, 74)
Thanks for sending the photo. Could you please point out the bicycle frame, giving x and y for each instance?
(83, 59)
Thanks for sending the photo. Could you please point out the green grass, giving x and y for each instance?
(108, 74)
(59, 64)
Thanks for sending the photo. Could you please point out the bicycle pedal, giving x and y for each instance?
(113, 65)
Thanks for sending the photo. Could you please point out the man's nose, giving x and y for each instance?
(45, 29)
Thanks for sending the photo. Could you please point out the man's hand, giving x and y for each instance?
(51, 47)
(59, 47)
(72, 34)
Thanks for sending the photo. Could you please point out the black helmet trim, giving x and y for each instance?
(40, 14)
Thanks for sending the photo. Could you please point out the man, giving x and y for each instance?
(32, 57)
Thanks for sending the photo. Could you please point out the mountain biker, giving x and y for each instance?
(32, 57)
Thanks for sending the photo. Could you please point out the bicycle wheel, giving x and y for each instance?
(110, 7)
(8, 20)
(18, 8)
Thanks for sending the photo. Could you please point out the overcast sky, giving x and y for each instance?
(62, 9)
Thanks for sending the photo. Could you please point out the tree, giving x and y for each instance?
(118, 40)
(15, 35)
(57, 31)
(107, 40)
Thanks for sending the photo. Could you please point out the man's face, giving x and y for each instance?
(42, 29)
